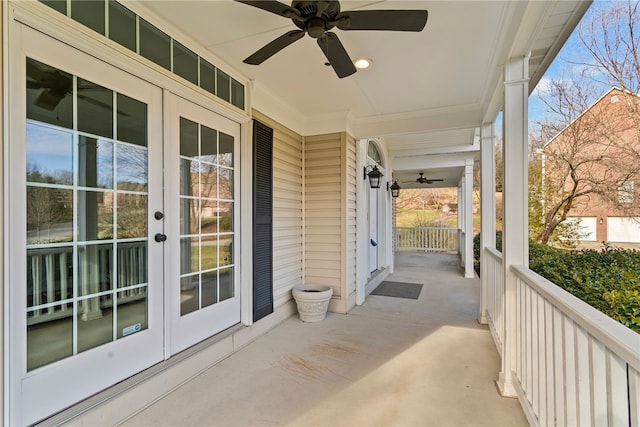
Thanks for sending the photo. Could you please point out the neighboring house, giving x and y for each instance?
(161, 198)
(603, 147)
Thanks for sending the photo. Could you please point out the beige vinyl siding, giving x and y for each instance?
(323, 210)
(330, 216)
(351, 218)
(288, 244)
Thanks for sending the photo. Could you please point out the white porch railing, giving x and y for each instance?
(426, 239)
(492, 262)
(573, 364)
(51, 294)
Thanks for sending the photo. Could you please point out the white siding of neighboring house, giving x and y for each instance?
(587, 226)
(288, 245)
(623, 230)
(330, 181)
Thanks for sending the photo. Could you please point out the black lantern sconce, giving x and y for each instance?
(395, 188)
(374, 175)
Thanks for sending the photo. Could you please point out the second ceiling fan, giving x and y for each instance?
(317, 17)
(422, 180)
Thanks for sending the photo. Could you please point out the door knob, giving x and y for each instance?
(160, 237)
(158, 215)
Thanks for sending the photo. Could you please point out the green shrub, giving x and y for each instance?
(608, 280)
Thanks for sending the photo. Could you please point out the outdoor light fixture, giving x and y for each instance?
(395, 188)
(374, 176)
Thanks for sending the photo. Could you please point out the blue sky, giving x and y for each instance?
(572, 52)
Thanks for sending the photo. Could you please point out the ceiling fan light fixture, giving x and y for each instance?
(363, 63)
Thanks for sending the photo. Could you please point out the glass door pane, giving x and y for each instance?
(205, 300)
(86, 216)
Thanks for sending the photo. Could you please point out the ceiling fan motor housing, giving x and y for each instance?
(313, 23)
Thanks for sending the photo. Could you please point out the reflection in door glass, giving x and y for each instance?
(132, 121)
(95, 109)
(95, 221)
(49, 94)
(132, 167)
(96, 159)
(49, 155)
(84, 193)
(49, 215)
(96, 325)
(206, 216)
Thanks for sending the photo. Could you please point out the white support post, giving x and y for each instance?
(467, 195)
(487, 209)
(515, 242)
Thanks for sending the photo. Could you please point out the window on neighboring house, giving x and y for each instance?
(626, 193)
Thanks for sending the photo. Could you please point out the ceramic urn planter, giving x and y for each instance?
(312, 301)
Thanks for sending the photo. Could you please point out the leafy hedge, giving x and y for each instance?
(608, 280)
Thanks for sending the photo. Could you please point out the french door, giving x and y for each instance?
(121, 225)
(201, 180)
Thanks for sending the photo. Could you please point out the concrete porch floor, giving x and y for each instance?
(390, 362)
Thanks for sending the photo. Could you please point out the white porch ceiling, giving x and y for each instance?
(426, 92)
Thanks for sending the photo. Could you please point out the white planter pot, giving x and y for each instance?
(312, 301)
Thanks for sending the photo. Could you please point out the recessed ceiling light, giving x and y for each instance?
(363, 63)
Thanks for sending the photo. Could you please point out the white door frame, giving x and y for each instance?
(363, 236)
(37, 394)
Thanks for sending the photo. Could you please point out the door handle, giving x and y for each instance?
(159, 237)
(158, 215)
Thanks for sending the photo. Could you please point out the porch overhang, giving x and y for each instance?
(443, 80)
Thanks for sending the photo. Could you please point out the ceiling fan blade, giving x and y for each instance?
(435, 180)
(336, 55)
(273, 6)
(49, 99)
(385, 20)
(274, 47)
(35, 85)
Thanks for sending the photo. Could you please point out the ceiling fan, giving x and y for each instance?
(317, 17)
(422, 180)
(54, 85)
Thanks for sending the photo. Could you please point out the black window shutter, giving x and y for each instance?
(262, 220)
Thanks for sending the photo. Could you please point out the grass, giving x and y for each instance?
(431, 218)
(210, 257)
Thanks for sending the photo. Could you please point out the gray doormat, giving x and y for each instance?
(398, 290)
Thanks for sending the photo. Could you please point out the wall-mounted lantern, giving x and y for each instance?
(395, 188)
(374, 175)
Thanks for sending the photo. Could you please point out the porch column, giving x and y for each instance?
(515, 243)
(487, 208)
(467, 194)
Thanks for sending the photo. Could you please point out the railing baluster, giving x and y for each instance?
(63, 275)
(548, 395)
(598, 381)
(50, 273)
(633, 376)
(571, 372)
(616, 390)
(36, 274)
(558, 367)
